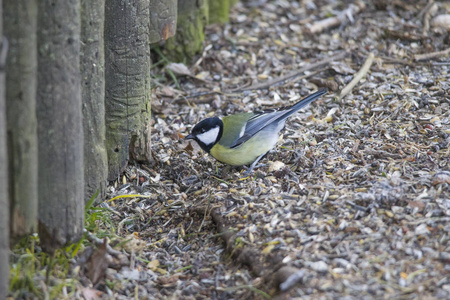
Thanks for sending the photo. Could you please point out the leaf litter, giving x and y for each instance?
(353, 203)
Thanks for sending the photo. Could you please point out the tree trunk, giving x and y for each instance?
(163, 19)
(219, 11)
(4, 200)
(191, 22)
(92, 65)
(20, 18)
(60, 130)
(127, 65)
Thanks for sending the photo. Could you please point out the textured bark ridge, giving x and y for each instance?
(191, 22)
(219, 11)
(20, 20)
(127, 101)
(163, 19)
(60, 131)
(93, 95)
(4, 201)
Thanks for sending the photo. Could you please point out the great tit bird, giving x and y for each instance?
(244, 138)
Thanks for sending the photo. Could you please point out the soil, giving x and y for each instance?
(353, 203)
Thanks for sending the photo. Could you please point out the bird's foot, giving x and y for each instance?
(249, 170)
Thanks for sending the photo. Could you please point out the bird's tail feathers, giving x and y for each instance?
(302, 103)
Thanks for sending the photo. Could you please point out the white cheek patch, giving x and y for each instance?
(210, 136)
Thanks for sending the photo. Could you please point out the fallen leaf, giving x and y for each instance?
(441, 177)
(165, 91)
(153, 265)
(441, 21)
(276, 166)
(419, 204)
(133, 243)
(189, 148)
(351, 229)
(95, 268)
(168, 281)
(91, 294)
(178, 69)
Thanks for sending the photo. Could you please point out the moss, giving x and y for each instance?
(35, 274)
(188, 40)
(219, 11)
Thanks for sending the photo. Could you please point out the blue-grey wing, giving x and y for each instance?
(256, 124)
(274, 118)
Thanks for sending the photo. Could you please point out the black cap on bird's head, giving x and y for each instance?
(207, 133)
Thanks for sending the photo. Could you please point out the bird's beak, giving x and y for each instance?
(189, 137)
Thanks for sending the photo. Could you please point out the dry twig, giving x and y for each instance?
(291, 76)
(382, 154)
(243, 255)
(419, 57)
(322, 25)
(295, 275)
(358, 76)
(99, 242)
(430, 10)
(403, 35)
(330, 84)
(202, 97)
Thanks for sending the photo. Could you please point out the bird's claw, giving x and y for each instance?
(249, 170)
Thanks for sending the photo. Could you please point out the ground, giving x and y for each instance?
(354, 202)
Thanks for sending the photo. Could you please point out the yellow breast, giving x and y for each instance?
(246, 153)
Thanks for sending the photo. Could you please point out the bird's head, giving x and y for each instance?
(207, 133)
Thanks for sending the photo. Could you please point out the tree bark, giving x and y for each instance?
(163, 19)
(92, 65)
(219, 11)
(127, 86)
(4, 200)
(20, 18)
(60, 130)
(190, 34)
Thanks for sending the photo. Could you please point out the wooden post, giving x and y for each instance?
(4, 199)
(60, 130)
(219, 11)
(92, 66)
(190, 34)
(20, 18)
(163, 19)
(127, 85)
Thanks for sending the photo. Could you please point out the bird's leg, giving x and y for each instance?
(253, 165)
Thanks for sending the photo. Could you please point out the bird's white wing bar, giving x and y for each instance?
(264, 119)
(255, 124)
